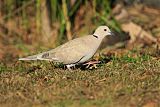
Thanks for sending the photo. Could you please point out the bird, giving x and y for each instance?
(76, 51)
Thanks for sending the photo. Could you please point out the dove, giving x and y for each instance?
(76, 51)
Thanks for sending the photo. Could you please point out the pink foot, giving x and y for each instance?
(93, 63)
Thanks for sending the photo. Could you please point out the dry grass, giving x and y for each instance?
(124, 81)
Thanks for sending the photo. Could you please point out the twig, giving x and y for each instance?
(18, 10)
(68, 23)
(3, 24)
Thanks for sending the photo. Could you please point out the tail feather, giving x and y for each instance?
(34, 57)
(40, 56)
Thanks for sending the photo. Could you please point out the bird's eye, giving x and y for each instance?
(105, 29)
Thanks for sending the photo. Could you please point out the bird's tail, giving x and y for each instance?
(34, 57)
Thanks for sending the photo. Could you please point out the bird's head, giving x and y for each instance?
(102, 31)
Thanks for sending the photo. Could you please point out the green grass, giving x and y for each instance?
(123, 81)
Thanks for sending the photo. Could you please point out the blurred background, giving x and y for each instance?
(128, 74)
(31, 26)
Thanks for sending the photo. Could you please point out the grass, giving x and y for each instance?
(123, 81)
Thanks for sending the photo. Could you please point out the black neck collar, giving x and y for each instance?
(95, 36)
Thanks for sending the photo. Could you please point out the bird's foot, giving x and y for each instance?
(91, 64)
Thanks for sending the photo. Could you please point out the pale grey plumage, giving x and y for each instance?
(75, 51)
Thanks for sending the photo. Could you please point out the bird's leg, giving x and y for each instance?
(69, 66)
(94, 63)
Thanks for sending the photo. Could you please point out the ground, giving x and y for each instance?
(128, 80)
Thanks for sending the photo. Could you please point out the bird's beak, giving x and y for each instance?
(110, 33)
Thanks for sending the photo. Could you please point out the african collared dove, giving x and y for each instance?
(75, 51)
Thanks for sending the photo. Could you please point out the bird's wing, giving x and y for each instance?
(68, 53)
